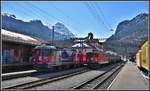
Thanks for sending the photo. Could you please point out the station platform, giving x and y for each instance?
(129, 78)
(15, 67)
(17, 74)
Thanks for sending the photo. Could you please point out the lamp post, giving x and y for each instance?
(53, 34)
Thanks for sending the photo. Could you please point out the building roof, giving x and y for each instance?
(18, 38)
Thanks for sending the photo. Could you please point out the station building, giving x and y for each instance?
(17, 48)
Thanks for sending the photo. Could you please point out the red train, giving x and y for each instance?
(50, 56)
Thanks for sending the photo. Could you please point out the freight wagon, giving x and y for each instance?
(142, 57)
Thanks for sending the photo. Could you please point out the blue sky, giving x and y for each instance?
(79, 17)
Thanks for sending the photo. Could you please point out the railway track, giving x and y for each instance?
(97, 81)
(37, 83)
(43, 81)
(15, 75)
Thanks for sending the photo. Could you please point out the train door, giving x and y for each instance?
(45, 55)
(90, 58)
(53, 56)
(58, 57)
(96, 57)
(64, 56)
(36, 58)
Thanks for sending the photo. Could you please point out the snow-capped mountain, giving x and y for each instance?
(34, 28)
(61, 28)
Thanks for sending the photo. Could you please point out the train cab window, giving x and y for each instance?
(46, 52)
(33, 53)
(64, 54)
(36, 52)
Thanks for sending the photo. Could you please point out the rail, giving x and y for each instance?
(43, 81)
(95, 82)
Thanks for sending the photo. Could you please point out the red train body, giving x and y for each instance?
(48, 56)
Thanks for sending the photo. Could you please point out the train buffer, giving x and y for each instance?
(129, 78)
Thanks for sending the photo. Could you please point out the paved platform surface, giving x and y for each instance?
(129, 78)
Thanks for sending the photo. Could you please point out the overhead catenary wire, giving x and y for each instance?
(100, 9)
(45, 12)
(42, 13)
(67, 17)
(37, 13)
(12, 7)
(94, 13)
(93, 9)
(99, 16)
(29, 12)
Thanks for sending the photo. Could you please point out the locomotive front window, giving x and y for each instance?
(36, 52)
(46, 52)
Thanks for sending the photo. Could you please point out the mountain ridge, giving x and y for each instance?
(129, 35)
(33, 28)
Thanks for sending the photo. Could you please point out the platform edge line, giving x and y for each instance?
(114, 80)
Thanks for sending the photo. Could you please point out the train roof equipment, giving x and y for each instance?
(45, 46)
(111, 52)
